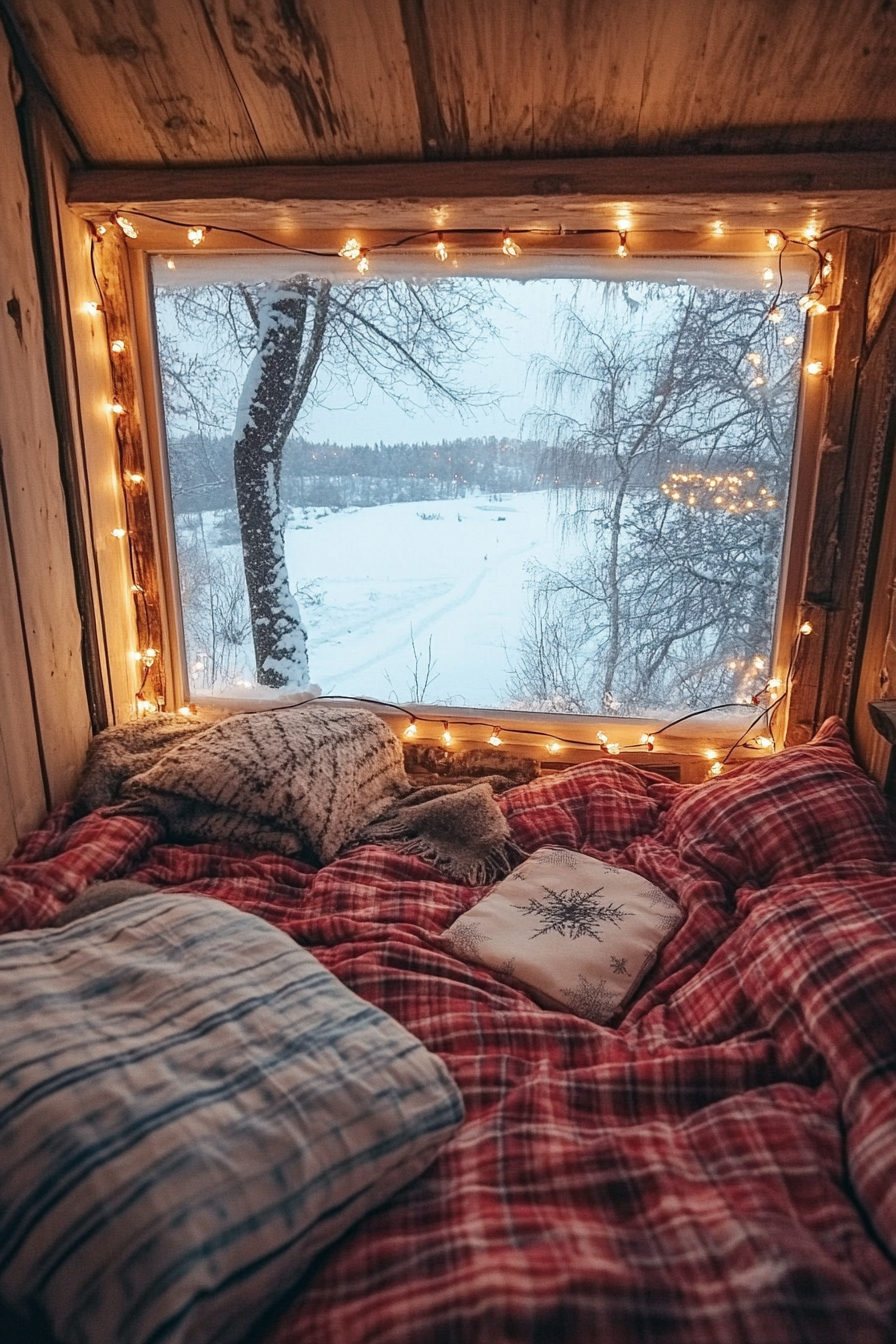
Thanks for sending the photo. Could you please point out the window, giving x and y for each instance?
(562, 493)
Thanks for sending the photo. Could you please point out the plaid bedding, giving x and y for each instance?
(718, 1167)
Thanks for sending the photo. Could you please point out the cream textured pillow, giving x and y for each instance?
(575, 933)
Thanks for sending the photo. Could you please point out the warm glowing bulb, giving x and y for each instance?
(186, 711)
(117, 347)
(411, 730)
(101, 229)
(711, 754)
(715, 768)
(764, 741)
(92, 308)
(768, 273)
(623, 224)
(789, 340)
(805, 302)
(613, 748)
(758, 381)
(195, 236)
(774, 314)
(134, 477)
(508, 246)
(773, 239)
(441, 250)
(119, 532)
(622, 250)
(811, 231)
(718, 228)
(148, 655)
(815, 367)
(126, 226)
(805, 628)
(363, 263)
(446, 737)
(495, 740)
(818, 309)
(602, 738)
(553, 747)
(351, 249)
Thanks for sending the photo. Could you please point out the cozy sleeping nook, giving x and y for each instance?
(448, 670)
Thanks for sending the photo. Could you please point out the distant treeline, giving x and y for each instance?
(329, 475)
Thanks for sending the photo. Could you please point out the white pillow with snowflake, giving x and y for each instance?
(575, 933)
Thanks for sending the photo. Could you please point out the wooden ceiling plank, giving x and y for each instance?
(322, 80)
(139, 82)
(813, 74)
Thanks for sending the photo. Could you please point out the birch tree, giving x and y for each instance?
(277, 346)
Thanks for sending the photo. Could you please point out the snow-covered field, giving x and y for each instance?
(454, 572)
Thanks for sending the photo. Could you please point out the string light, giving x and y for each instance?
(508, 246)
(613, 748)
(350, 249)
(118, 347)
(92, 307)
(440, 249)
(715, 768)
(553, 747)
(411, 730)
(718, 228)
(101, 229)
(788, 340)
(602, 739)
(774, 313)
(363, 264)
(119, 532)
(188, 711)
(814, 367)
(754, 359)
(196, 235)
(773, 239)
(495, 740)
(732, 493)
(805, 628)
(134, 477)
(622, 249)
(446, 736)
(764, 742)
(126, 226)
(711, 754)
(116, 408)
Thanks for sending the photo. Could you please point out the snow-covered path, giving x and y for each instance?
(452, 571)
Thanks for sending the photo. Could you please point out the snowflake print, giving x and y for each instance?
(465, 938)
(668, 916)
(572, 913)
(595, 1002)
(619, 967)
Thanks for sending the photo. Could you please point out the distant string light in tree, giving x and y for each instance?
(508, 246)
(774, 313)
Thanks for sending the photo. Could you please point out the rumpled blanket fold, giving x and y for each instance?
(306, 782)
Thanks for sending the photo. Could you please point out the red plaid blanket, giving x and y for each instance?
(719, 1167)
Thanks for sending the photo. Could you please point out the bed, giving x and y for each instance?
(718, 1166)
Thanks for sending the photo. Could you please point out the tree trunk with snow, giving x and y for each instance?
(276, 386)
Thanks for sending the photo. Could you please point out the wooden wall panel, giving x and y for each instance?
(41, 597)
(86, 376)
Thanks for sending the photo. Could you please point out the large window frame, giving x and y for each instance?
(683, 752)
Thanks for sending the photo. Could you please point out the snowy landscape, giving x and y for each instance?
(596, 583)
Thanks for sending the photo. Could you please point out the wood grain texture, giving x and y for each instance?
(347, 80)
(883, 286)
(321, 80)
(110, 259)
(139, 82)
(43, 594)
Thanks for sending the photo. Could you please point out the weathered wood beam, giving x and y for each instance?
(753, 184)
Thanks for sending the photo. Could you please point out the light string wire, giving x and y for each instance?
(820, 283)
